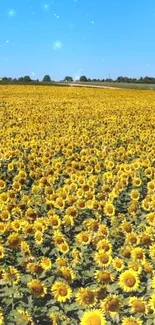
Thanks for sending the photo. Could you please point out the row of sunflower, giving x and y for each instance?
(77, 206)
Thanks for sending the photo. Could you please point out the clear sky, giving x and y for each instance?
(77, 37)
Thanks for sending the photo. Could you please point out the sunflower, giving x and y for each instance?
(1, 317)
(135, 195)
(38, 237)
(138, 254)
(105, 245)
(72, 211)
(2, 252)
(66, 273)
(151, 186)
(38, 225)
(54, 221)
(148, 268)
(86, 297)
(111, 305)
(11, 276)
(64, 247)
(68, 220)
(54, 318)
(16, 225)
(104, 276)
(5, 215)
(129, 281)
(126, 227)
(83, 238)
(132, 238)
(3, 197)
(152, 303)
(46, 263)
(102, 258)
(145, 239)
(138, 305)
(25, 248)
(37, 288)
(24, 317)
(131, 321)
(136, 181)
(126, 252)
(118, 264)
(58, 237)
(109, 209)
(103, 229)
(93, 317)
(34, 268)
(14, 240)
(135, 266)
(61, 291)
(2, 184)
(152, 251)
(81, 204)
(153, 282)
(2, 227)
(60, 261)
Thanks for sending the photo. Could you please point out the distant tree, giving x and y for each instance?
(68, 79)
(21, 79)
(89, 80)
(120, 79)
(108, 80)
(94, 80)
(27, 79)
(83, 78)
(5, 79)
(102, 80)
(46, 78)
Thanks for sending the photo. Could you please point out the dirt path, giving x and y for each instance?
(92, 86)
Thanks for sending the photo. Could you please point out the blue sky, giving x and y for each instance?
(77, 37)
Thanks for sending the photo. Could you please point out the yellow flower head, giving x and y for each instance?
(61, 291)
(129, 281)
(86, 297)
(93, 317)
(37, 288)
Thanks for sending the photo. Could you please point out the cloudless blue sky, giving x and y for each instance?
(77, 37)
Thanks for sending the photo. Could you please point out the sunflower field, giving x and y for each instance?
(77, 206)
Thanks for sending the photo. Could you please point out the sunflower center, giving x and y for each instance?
(15, 242)
(89, 298)
(63, 292)
(67, 275)
(110, 209)
(85, 238)
(105, 277)
(139, 307)
(94, 320)
(139, 255)
(105, 247)
(55, 222)
(118, 264)
(130, 281)
(37, 288)
(113, 305)
(104, 259)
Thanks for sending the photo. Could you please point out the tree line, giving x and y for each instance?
(47, 79)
